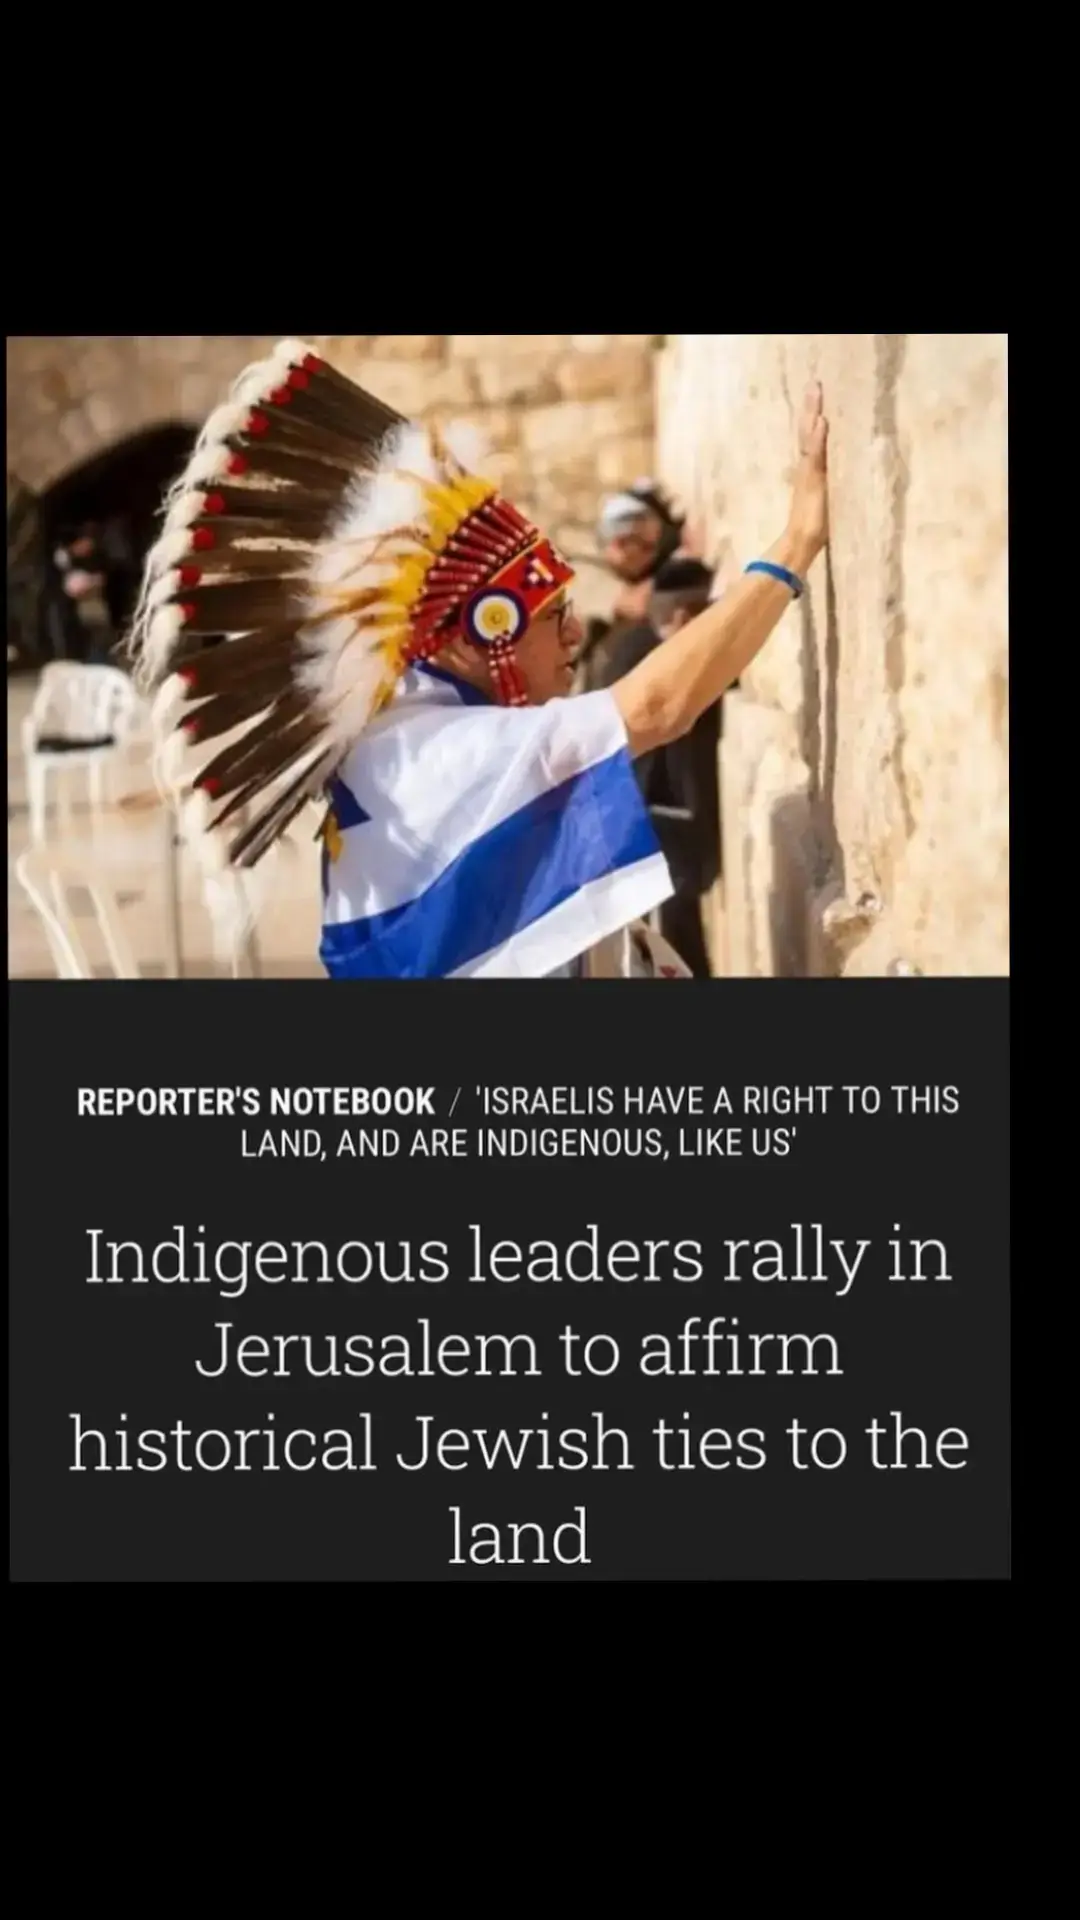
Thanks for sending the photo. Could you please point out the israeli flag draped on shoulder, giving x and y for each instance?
(467, 840)
(346, 556)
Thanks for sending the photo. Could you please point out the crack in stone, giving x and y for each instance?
(889, 353)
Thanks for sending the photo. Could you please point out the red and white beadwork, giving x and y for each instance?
(493, 578)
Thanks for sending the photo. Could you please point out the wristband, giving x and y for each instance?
(782, 574)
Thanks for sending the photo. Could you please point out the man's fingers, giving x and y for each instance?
(813, 427)
(811, 410)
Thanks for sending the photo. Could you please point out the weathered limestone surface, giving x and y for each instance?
(567, 415)
(865, 760)
(70, 396)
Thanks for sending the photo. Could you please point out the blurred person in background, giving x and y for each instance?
(638, 531)
(680, 781)
(121, 569)
(84, 579)
(63, 632)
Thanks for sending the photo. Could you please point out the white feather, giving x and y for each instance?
(362, 681)
(344, 672)
(233, 899)
(171, 549)
(223, 422)
(290, 352)
(186, 507)
(172, 763)
(378, 503)
(260, 379)
(162, 631)
(345, 665)
(351, 565)
(166, 705)
(231, 913)
(163, 589)
(467, 444)
(195, 817)
(323, 644)
(183, 503)
(210, 464)
(260, 376)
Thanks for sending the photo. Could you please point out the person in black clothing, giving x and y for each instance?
(121, 571)
(89, 580)
(680, 782)
(639, 531)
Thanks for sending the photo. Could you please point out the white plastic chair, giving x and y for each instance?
(77, 703)
(48, 876)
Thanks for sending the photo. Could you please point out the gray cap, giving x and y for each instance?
(621, 509)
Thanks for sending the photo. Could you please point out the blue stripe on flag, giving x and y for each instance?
(506, 881)
(347, 809)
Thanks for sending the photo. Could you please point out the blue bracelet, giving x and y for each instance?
(777, 573)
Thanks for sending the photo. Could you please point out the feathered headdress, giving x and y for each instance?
(333, 544)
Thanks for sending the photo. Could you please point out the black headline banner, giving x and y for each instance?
(483, 1281)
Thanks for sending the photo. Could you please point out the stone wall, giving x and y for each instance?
(569, 416)
(865, 759)
(71, 396)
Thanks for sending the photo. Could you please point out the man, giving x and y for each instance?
(638, 531)
(680, 781)
(83, 577)
(401, 643)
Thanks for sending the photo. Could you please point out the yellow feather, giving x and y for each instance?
(449, 506)
(441, 500)
(410, 580)
(477, 491)
(331, 834)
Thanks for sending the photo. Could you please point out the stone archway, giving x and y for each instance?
(567, 416)
(116, 495)
(69, 397)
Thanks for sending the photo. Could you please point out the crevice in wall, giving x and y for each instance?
(890, 350)
(793, 852)
(749, 895)
(830, 838)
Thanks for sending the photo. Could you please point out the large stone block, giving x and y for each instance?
(490, 346)
(417, 387)
(409, 346)
(507, 472)
(624, 461)
(79, 434)
(893, 674)
(769, 851)
(596, 376)
(550, 433)
(517, 379)
(498, 427)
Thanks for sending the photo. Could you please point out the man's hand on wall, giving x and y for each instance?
(809, 521)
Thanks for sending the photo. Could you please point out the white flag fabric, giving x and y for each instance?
(471, 841)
